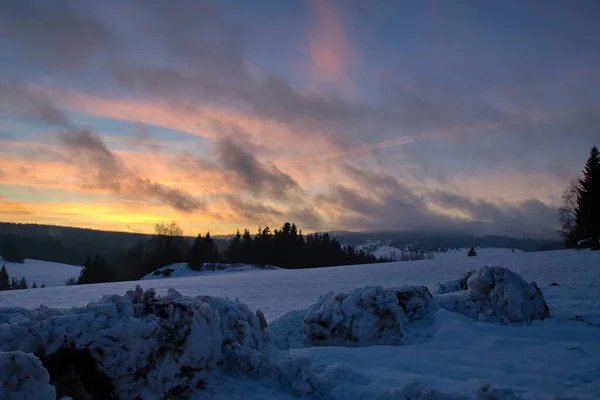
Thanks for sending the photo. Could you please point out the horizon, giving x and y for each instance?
(466, 117)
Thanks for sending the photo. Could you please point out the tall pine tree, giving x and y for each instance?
(4, 279)
(587, 212)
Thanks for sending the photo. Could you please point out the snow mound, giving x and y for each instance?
(144, 345)
(487, 392)
(23, 377)
(494, 294)
(365, 316)
(247, 348)
(242, 333)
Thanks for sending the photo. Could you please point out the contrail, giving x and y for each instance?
(442, 134)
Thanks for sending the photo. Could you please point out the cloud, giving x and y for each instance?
(21, 99)
(57, 34)
(329, 49)
(109, 172)
(251, 174)
(377, 201)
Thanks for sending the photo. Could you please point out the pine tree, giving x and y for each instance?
(4, 279)
(34, 286)
(587, 220)
(472, 252)
(23, 283)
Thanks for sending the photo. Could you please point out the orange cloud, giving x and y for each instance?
(329, 49)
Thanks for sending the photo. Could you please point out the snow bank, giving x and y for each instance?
(494, 294)
(144, 346)
(22, 377)
(363, 317)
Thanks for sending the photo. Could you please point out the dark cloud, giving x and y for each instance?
(253, 212)
(106, 170)
(20, 99)
(55, 34)
(398, 207)
(252, 175)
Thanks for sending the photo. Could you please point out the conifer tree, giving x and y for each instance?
(472, 252)
(34, 286)
(23, 283)
(4, 279)
(587, 221)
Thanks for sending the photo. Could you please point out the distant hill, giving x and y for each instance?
(71, 245)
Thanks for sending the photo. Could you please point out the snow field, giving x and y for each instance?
(449, 355)
(46, 272)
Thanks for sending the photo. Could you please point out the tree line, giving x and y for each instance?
(8, 283)
(287, 247)
(579, 214)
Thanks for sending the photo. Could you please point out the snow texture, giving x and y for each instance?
(365, 316)
(147, 346)
(22, 377)
(494, 294)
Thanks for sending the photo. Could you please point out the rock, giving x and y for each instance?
(554, 284)
(496, 294)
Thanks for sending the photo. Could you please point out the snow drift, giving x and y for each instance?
(144, 346)
(363, 317)
(23, 377)
(493, 294)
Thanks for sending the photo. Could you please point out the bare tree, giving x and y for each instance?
(567, 212)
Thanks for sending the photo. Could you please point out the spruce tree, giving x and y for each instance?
(23, 283)
(34, 286)
(4, 279)
(587, 220)
(472, 252)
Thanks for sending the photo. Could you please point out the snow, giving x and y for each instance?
(455, 356)
(495, 294)
(23, 377)
(46, 272)
(181, 270)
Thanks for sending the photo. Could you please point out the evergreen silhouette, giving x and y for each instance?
(204, 250)
(23, 283)
(472, 252)
(95, 270)
(4, 279)
(580, 213)
(34, 286)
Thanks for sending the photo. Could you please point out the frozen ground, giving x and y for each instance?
(557, 357)
(46, 272)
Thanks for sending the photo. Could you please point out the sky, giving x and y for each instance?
(466, 116)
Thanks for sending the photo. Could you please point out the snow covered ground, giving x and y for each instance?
(181, 270)
(555, 357)
(46, 272)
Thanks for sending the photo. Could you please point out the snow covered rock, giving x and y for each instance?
(365, 316)
(22, 377)
(494, 294)
(454, 285)
(137, 345)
